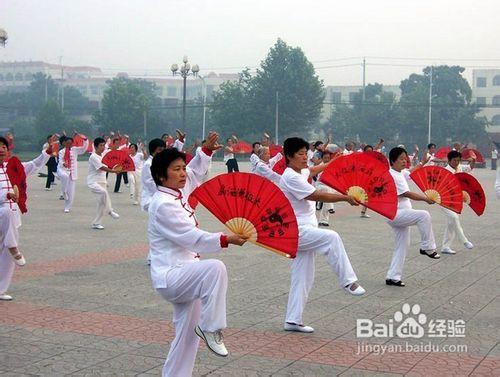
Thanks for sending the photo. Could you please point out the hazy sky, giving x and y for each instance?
(225, 35)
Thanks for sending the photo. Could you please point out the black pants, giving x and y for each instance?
(119, 180)
(493, 164)
(232, 165)
(51, 169)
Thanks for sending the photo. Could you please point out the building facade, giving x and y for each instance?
(486, 92)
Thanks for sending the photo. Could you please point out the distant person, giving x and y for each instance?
(494, 157)
(229, 159)
(51, 166)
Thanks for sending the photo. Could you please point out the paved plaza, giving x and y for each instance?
(84, 304)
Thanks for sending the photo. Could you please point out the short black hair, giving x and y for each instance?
(48, 137)
(98, 140)
(155, 143)
(395, 153)
(317, 143)
(67, 138)
(4, 142)
(366, 147)
(454, 154)
(165, 135)
(134, 145)
(429, 146)
(255, 143)
(62, 139)
(162, 161)
(292, 145)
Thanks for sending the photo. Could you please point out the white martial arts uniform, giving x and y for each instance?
(325, 208)
(197, 288)
(312, 241)
(259, 167)
(96, 181)
(406, 216)
(148, 184)
(178, 145)
(134, 177)
(11, 219)
(69, 176)
(453, 227)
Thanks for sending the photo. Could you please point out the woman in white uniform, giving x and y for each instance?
(406, 216)
(195, 287)
(262, 164)
(134, 177)
(302, 195)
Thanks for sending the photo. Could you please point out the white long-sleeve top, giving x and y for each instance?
(259, 167)
(74, 152)
(174, 238)
(148, 184)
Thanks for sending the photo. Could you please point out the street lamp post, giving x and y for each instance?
(185, 71)
(3, 37)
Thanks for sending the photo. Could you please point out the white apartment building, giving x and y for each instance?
(486, 92)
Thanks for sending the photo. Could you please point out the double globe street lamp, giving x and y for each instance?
(185, 71)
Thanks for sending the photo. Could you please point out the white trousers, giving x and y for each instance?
(134, 180)
(103, 201)
(198, 292)
(401, 226)
(324, 213)
(67, 188)
(312, 241)
(9, 237)
(453, 228)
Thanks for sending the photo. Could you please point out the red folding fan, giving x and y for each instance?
(440, 185)
(473, 193)
(242, 147)
(17, 176)
(118, 158)
(280, 166)
(366, 179)
(379, 156)
(275, 149)
(78, 140)
(442, 153)
(252, 207)
(466, 154)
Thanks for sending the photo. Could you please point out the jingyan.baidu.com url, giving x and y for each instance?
(427, 347)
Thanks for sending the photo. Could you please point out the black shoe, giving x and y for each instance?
(433, 255)
(397, 283)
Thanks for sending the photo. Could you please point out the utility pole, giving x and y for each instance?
(145, 120)
(364, 79)
(430, 107)
(62, 83)
(276, 117)
(46, 89)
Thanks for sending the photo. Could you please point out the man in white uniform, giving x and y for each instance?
(67, 169)
(302, 195)
(134, 177)
(406, 216)
(96, 181)
(453, 227)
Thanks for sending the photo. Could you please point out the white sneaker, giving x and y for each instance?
(468, 245)
(297, 328)
(136, 203)
(66, 211)
(365, 216)
(5, 297)
(20, 262)
(114, 215)
(48, 189)
(356, 292)
(213, 340)
(97, 226)
(447, 250)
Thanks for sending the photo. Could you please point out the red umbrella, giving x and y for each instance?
(252, 207)
(442, 153)
(466, 154)
(118, 158)
(366, 179)
(440, 185)
(473, 192)
(242, 147)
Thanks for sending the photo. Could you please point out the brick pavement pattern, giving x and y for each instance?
(84, 305)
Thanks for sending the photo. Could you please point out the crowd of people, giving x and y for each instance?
(165, 175)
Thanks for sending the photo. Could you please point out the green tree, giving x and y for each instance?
(50, 119)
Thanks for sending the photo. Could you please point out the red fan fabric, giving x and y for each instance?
(379, 156)
(466, 154)
(440, 185)
(274, 149)
(368, 180)
(442, 153)
(280, 166)
(17, 177)
(251, 205)
(242, 147)
(78, 140)
(473, 192)
(120, 158)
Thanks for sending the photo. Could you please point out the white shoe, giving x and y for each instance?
(48, 189)
(468, 245)
(20, 262)
(136, 203)
(356, 292)
(297, 328)
(114, 215)
(66, 211)
(213, 340)
(97, 226)
(365, 216)
(447, 250)
(5, 297)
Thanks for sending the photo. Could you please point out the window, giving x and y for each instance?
(496, 100)
(353, 96)
(337, 97)
(496, 120)
(481, 100)
(19, 76)
(171, 91)
(28, 77)
(481, 82)
(94, 90)
(9, 77)
(83, 90)
(496, 80)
